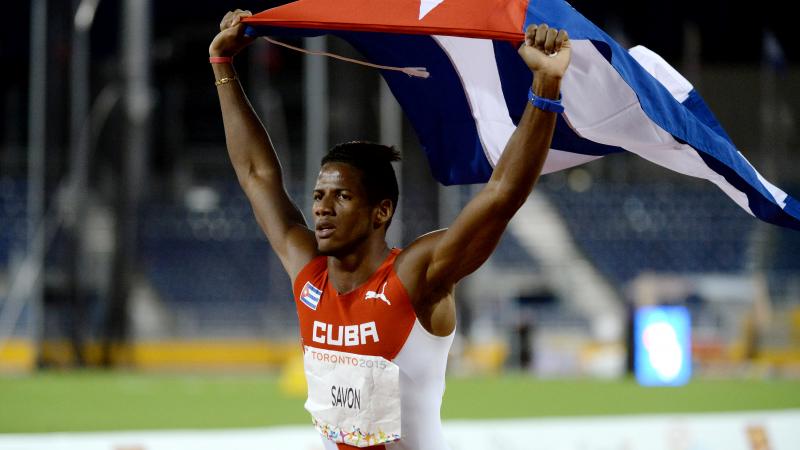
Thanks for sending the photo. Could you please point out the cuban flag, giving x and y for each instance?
(310, 295)
(615, 99)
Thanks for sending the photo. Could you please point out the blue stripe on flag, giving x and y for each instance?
(432, 105)
(308, 302)
(700, 109)
(313, 291)
(763, 208)
(515, 79)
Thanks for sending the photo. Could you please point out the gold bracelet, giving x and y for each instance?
(224, 80)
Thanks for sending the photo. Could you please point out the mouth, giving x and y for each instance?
(324, 230)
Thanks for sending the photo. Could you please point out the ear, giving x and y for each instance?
(383, 213)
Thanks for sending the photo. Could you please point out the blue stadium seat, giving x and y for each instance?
(626, 229)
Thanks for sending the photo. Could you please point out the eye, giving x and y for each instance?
(344, 196)
(317, 196)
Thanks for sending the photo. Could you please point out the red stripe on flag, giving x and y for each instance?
(488, 19)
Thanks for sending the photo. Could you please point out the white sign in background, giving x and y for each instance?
(723, 431)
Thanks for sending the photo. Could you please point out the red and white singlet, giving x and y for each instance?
(375, 375)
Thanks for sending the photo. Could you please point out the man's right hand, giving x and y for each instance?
(231, 39)
(546, 50)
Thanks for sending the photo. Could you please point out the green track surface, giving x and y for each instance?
(95, 401)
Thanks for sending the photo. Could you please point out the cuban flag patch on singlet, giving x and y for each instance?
(310, 295)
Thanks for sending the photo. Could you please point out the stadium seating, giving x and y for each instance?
(628, 229)
(214, 268)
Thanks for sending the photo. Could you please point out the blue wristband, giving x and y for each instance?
(545, 104)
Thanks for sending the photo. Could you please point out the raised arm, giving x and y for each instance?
(253, 157)
(444, 257)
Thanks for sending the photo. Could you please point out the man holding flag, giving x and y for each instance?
(376, 323)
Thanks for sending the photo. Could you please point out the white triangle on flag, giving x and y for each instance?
(426, 6)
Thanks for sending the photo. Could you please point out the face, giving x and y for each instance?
(343, 217)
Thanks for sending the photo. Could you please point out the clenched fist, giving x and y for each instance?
(546, 50)
(231, 39)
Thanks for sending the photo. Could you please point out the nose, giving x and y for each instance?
(323, 206)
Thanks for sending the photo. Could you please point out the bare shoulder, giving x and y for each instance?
(300, 248)
(418, 251)
(433, 305)
(412, 263)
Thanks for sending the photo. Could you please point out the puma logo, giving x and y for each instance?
(379, 295)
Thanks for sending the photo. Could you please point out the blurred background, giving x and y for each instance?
(126, 243)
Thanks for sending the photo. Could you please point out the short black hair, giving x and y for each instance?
(375, 163)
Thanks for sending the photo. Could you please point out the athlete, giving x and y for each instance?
(376, 323)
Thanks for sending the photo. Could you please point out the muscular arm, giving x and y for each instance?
(444, 257)
(254, 160)
(473, 236)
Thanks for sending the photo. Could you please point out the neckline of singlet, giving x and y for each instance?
(392, 254)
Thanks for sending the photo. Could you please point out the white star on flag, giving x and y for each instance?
(426, 6)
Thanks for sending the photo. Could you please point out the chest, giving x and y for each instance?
(374, 319)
